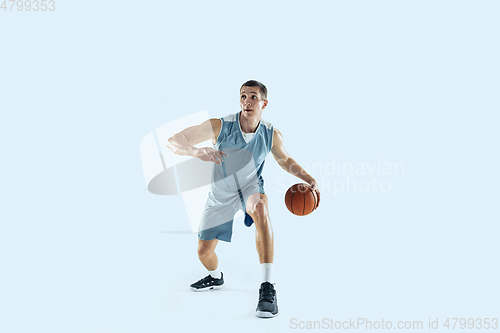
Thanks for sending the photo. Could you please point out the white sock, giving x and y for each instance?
(267, 272)
(215, 273)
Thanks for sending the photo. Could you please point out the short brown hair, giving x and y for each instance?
(253, 83)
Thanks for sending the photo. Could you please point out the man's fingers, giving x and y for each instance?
(214, 159)
(315, 188)
(217, 159)
(215, 155)
(219, 155)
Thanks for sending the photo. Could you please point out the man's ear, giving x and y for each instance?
(265, 104)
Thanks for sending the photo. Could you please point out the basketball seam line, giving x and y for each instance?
(291, 201)
(303, 207)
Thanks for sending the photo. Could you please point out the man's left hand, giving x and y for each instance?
(315, 188)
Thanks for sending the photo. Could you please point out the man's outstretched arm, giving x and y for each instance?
(183, 142)
(289, 164)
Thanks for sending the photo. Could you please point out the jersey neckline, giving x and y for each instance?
(241, 131)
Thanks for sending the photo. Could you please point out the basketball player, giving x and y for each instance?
(241, 143)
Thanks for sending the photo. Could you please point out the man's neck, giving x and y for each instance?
(249, 125)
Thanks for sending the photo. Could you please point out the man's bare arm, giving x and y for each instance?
(289, 164)
(183, 142)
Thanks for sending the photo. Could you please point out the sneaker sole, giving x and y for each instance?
(207, 288)
(265, 314)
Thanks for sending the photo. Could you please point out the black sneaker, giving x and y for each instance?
(207, 283)
(268, 301)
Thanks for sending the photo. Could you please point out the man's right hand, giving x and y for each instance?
(209, 154)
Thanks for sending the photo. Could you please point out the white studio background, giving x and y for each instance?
(85, 248)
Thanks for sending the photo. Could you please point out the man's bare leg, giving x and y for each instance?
(264, 239)
(267, 306)
(206, 253)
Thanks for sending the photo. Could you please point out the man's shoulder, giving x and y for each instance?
(230, 118)
(215, 122)
(267, 124)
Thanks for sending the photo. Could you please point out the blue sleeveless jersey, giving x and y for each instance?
(230, 141)
(236, 178)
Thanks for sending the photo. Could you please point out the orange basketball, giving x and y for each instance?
(300, 199)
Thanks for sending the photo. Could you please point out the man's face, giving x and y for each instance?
(251, 103)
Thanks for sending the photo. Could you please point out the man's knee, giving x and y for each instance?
(204, 250)
(259, 212)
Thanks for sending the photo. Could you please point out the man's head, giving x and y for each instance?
(253, 99)
(253, 83)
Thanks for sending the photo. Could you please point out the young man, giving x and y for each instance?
(241, 143)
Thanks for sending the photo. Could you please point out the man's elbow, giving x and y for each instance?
(171, 144)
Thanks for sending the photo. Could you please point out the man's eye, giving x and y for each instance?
(254, 97)
(242, 96)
